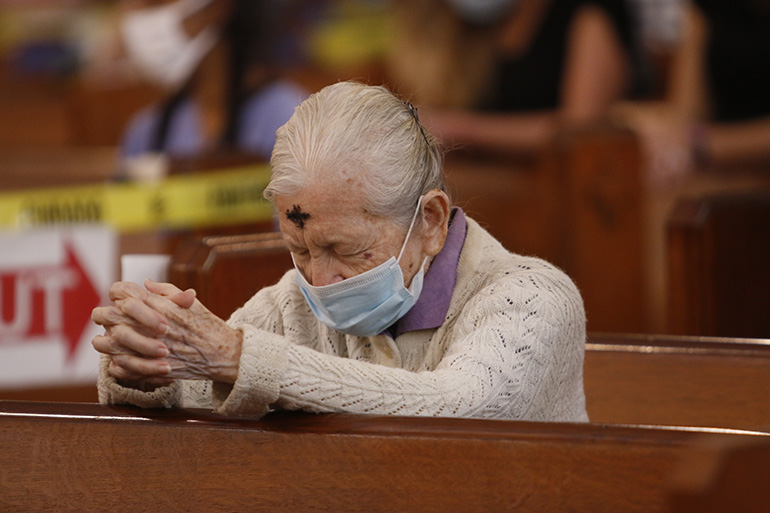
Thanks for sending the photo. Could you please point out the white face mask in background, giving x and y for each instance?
(158, 44)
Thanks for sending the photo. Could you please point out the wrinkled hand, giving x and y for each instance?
(161, 333)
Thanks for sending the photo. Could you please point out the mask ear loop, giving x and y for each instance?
(408, 233)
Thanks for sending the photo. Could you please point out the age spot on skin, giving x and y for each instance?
(297, 216)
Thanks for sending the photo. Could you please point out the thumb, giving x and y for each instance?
(183, 299)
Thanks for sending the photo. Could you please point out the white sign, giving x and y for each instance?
(50, 281)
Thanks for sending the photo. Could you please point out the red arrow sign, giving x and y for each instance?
(78, 303)
(44, 301)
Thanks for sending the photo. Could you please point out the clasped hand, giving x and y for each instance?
(159, 333)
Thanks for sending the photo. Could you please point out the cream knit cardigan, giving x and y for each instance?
(511, 347)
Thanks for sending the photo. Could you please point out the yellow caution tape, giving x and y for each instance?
(212, 198)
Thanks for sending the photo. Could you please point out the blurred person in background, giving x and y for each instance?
(553, 63)
(716, 113)
(215, 60)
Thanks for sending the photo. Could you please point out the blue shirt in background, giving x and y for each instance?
(263, 113)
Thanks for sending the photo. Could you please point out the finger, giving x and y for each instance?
(109, 345)
(105, 344)
(158, 382)
(144, 314)
(184, 299)
(100, 314)
(133, 379)
(125, 340)
(145, 384)
(163, 289)
(125, 289)
(125, 366)
(108, 316)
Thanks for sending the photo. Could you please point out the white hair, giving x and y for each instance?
(362, 130)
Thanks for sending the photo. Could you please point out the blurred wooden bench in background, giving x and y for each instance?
(578, 204)
(226, 271)
(719, 264)
(583, 204)
(88, 458)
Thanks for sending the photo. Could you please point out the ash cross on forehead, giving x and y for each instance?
(297, 216)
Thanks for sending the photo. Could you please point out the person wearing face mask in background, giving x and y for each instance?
(215, 61)
(399, 304)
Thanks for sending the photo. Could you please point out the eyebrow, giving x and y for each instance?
(297, 216)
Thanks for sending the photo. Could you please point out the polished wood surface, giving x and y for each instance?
(85, 393)
(733, 477)
(64, 457)
(674, 380)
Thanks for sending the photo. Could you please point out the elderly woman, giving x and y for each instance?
(398, 304)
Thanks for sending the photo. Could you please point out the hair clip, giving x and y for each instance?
(413, 111)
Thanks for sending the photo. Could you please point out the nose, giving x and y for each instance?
(323, 273)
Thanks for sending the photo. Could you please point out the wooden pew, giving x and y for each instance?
(577, 204)
(718, 254)
(678, 381)
(87, 458)
(82, 393)
(226, 271)
(583, 204)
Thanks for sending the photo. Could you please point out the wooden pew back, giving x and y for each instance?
(679, 381)
(88, 458)
(718, 254)
(226, 271)
(578, 204)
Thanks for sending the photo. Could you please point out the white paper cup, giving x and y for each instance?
(137, 268)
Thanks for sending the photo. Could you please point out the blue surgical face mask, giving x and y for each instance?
(365, 304)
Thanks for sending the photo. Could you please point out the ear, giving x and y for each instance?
(435, 221)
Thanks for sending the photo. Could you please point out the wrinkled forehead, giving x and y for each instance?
(320, 199)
